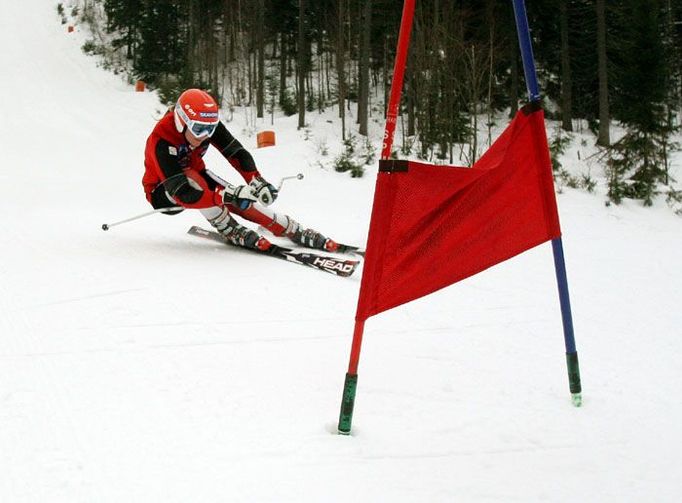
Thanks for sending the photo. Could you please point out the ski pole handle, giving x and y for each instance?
(281, 182)
(106, 227)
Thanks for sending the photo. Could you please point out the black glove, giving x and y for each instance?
(264, 190)
(184, 189)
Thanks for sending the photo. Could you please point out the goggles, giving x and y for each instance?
(198, 128)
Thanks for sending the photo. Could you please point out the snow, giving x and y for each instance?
(145, 365)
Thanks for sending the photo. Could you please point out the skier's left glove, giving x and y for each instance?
(264, 190)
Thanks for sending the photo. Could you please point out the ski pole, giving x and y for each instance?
(105, 227)
(281, 182)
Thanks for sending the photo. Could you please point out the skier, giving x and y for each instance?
(175, 175)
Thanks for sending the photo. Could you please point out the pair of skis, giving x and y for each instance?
(326, 263)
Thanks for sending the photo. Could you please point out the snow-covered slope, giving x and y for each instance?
(142, 365)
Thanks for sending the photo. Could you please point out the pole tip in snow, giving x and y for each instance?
(105, 227)
(299, 176)
(347, 403)
(574, 378)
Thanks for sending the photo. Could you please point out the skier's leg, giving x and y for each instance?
(219, 217)
(209, 197)
(279, 225)
(284, 225)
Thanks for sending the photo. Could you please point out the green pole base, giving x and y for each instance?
(347, 403)
(574, 378)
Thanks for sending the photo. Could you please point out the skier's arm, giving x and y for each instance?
(234, 152)
(175, 182)
(243, 162)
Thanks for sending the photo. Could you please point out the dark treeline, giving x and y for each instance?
(598, 62)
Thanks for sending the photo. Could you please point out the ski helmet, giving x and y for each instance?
(197, 111)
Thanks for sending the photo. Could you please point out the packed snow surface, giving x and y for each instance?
(145, 365)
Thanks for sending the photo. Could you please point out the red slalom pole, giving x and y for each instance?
(398, 75)
(350, 384)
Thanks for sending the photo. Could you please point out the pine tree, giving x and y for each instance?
(637, 164)
(161, 53)
(123, 18)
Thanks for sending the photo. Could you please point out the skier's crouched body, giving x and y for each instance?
(175, 175)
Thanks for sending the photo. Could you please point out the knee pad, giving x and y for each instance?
(219, 217)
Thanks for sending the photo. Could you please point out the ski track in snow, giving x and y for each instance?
(145, 365)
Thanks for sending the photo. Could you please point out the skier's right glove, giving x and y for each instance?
(241, 196)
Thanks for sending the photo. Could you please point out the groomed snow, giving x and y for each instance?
(144, 365)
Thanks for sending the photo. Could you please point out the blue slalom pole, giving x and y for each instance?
(530, 73)
(523, 31)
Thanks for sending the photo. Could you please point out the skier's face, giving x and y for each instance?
(193, 141)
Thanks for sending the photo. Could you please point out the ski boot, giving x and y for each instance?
(243, 236)
(309, 238)
(237, 234)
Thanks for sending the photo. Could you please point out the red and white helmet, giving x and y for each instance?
(197, 111)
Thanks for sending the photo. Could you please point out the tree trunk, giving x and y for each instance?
(260, 42)
(491, 60)
(340, 66)
(250, 76)
(301, 63)
(566, 84)
(410, 97)
(475, 92)
(385, 68)
(363, 107)
(602, 70)
(189, 58)
(514, 88)
(283, 51)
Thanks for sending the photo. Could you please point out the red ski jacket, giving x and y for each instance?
(168, 154)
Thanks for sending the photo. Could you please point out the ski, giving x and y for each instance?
(342, 248)
(324, 263)
(354, 250)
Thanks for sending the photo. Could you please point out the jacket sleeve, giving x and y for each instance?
(167, 159)
(234, 152)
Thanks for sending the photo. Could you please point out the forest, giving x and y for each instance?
(600, 64)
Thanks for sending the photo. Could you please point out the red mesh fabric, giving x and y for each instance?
(435, 225)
